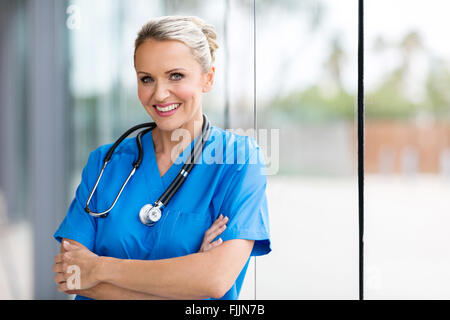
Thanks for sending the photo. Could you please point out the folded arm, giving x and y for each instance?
(109, 291)
(195, 276)
(102, 291)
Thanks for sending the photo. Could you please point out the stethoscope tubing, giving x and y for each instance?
(107, 158)
(186, 169)
(176, 183)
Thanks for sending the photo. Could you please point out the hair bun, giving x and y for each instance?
(199, 36)
(210, 33)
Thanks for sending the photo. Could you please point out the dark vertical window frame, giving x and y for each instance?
(361, 144)
(360, 133)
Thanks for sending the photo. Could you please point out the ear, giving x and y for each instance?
(209, 79)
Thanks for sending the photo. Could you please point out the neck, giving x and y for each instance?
(164, 144)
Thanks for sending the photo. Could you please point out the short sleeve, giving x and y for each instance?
(245, 204)
(79, 225)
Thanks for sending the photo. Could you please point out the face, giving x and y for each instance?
(171, 83)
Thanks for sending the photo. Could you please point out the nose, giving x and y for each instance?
(161, 92)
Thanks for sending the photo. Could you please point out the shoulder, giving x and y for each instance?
(237, 146)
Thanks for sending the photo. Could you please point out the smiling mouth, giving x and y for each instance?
(167, 108)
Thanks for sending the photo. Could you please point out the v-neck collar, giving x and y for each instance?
(155, 183)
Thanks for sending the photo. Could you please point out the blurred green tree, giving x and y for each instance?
(438, 89)
(327, 100)
(389, 100)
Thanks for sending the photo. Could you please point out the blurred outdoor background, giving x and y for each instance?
(68, 86)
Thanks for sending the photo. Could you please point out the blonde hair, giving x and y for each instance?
(199, 36)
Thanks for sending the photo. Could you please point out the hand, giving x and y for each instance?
(216, 229)
(76, 268)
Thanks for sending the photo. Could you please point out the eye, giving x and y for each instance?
(146, 79)
(177, 76)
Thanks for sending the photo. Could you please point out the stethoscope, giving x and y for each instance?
(151, 213)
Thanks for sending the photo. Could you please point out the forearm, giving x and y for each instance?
(107, 291)
(193, 276)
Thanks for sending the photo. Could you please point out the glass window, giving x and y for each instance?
(306, 84)
(305, 107)
(407, 148)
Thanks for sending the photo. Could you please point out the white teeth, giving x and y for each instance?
(168, 108)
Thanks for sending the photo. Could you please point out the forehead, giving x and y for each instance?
(159, 56)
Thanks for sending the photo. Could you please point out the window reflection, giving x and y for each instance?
(407, 147)
(306, 88)
(306, 82)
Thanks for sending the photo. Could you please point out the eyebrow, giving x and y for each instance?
(164, 72)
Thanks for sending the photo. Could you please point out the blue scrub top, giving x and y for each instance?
(228, 179)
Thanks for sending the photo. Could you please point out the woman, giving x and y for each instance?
(118, 257)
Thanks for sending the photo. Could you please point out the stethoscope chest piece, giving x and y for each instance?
(150, 214)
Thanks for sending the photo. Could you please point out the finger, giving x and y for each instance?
(220, 222)
(217, 222)
(59, 278)
(68, 246)
(63, 287)
(215, 226)
(216, 243)
(59, 267)
(67, 275)
(214, 233)
(68, 257)
(216, 229)
(211, 245)
(64, 257)
(219, 231)
(225, 220)
(58, 258)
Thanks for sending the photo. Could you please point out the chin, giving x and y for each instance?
(168, 124)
